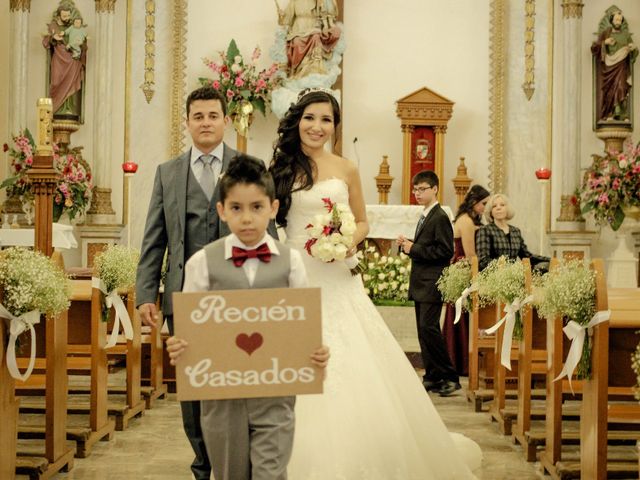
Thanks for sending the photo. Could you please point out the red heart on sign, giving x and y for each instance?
(249, 343)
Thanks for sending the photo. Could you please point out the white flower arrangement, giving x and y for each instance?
(455, 279)
(331, 234)
(503, 282)
(635, 364)
(32, 281)
(569, 291)
(385, 277)
(116, 266)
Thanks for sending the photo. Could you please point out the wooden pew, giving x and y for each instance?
(479, 319)
(8, 412)
(597, 432)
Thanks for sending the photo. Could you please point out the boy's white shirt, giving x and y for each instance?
(196, 277)
(426, 210)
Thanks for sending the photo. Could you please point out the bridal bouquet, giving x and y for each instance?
(331, 234)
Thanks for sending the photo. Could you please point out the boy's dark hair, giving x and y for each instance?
(206, 93)
(426, 176)
(247, 170)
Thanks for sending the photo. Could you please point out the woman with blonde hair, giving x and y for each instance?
(499, 238)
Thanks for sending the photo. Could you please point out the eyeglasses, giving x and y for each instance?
(420, 189)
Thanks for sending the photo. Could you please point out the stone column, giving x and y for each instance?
(19, 41)
(101, 211)
(569, 135)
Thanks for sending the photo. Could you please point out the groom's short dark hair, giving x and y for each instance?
(247, 170)
(206, 93)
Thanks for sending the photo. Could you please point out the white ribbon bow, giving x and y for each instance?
(18, 325)
(576, 333)
(510, 318)
(465, 294)
(112, 299)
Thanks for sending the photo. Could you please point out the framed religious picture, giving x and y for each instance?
(424, 115)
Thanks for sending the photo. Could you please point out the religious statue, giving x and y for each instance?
(614, 54)
(66, 42)
(312, 34)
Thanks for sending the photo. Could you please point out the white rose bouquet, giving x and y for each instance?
(331, 234)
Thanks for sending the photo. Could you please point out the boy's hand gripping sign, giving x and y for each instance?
(248, 343)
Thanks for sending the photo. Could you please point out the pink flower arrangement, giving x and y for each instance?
(240, 81)
(75, 186)
(612, 184)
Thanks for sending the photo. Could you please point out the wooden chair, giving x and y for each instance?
(8, 412)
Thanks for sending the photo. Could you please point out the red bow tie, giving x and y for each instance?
(239, 255)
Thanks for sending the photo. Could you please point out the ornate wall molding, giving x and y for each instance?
(178, 77)
(19, 5)
(497, 59)
(435, 112)
(105, 6)
(529, 47)
(149, 50)
(572, 8)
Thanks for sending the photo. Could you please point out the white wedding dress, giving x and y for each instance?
(374, 420)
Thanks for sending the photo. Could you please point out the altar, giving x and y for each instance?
(389, 221)
(63, 237)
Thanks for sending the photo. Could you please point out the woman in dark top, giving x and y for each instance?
(499, 238)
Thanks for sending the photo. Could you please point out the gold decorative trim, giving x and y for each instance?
(178, 77)
(127, 113)
(529, 47)
(19, 5)
(105, 6)
(434, 113)
(572, 8)
(550, 43)
(149, 50)
(497, 167)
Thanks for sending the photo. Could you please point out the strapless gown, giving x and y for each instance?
(374, 420)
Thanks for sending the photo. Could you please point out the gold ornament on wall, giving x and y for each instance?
(149, 50)
(497, 170)
(19, 5)
(529, 47)
(178, 76)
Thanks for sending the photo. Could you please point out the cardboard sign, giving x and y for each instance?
(248, 343)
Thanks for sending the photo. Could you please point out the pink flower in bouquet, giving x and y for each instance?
(331, 234)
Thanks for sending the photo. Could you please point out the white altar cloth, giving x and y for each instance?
(389, 221)
(24, 237)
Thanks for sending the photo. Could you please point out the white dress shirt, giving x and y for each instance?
(196, 277)
(216, 166)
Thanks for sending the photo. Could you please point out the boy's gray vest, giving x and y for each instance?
(201, 218)
(224, 275)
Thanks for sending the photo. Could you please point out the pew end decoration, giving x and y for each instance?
(455, 286)
(385, 277)
(31, 285)
(115, 270)
(569, 290)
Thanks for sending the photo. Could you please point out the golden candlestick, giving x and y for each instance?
(44, 147)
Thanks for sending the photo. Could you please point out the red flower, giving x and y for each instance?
(5, 148)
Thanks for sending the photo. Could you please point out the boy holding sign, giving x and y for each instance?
(247, 438)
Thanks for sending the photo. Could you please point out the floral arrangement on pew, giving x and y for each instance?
(455, 286)
(385, 277)
(31, 284)
(502, 281)
(75, 186)
(115, 268)
(245, 88)
(635, 364)
(569, 290)
(611, 186)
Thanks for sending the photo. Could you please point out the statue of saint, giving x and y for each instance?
(66, 42)
(312, 34)
(614, 54)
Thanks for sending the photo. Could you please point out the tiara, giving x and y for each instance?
(306, 91)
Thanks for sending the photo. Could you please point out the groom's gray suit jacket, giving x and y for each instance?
(165, 229)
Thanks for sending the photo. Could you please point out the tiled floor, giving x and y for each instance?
(154, 446)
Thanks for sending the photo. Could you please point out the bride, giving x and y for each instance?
(374, 421)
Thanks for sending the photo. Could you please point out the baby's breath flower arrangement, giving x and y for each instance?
(31, 281)
(454, 280)
(116, 267)
(635, 364)
(385, 277)
(569, 291)
(503, 281)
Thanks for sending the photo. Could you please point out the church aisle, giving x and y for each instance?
(154, 447)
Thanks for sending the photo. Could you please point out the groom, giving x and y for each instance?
(430, 252)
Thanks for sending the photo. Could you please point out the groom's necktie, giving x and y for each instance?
(207, 177)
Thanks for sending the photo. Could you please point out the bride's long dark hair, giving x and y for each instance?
(291, 168)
